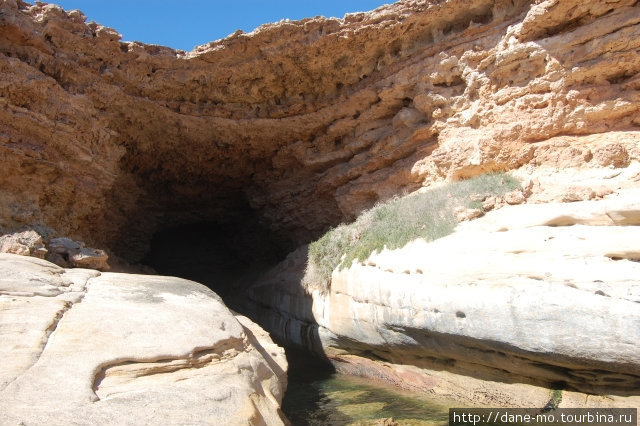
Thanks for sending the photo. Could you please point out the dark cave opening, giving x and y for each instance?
(226, 257)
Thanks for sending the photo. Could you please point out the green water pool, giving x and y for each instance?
(318, 398)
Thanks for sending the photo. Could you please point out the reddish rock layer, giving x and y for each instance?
(300, 124)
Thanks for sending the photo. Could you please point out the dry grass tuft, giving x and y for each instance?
(395, 222)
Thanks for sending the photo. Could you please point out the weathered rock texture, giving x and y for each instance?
(544, 294)
(61, 251)
(84, 347)
(25, 243)
(300, 125)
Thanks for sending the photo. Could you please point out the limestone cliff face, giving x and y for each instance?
(300, 125)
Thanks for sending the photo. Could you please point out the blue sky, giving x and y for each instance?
(183, 24)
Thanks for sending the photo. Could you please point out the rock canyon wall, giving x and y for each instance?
(300, 125)
(538, 294)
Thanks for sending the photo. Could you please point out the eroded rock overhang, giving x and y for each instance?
(298, 125)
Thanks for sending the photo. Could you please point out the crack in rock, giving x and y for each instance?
(129, 375)
(81, 290)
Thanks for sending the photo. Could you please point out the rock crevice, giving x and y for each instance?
(131, 375)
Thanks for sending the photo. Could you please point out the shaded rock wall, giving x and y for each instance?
(299, 125)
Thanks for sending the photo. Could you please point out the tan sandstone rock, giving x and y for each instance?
(68, 253)
(514, 197)
(299, 126)
(26, 243)
(306, 122)
(61, 251)
(612, 155)
(84, 347)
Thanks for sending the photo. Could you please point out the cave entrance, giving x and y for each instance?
(226, 257)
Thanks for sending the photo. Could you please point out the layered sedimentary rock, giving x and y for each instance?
(84, 347)
(545, 294)
(300, 125)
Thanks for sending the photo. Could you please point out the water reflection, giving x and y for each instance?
(316, 397)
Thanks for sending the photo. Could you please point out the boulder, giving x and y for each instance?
(463, 214)
(73, 254)
(63, 251)
(25, 243)
(514, 197)
(612, 154)
(84, 347)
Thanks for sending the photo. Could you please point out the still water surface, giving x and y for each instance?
(317, 398)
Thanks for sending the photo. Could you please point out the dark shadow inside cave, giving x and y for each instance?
(225, 257)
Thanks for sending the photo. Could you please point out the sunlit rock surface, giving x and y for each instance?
(300, 125)
(540, 294)
(84, 347)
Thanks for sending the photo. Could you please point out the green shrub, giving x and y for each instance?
(395, 222)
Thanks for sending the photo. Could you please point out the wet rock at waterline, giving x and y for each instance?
(84, 347)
